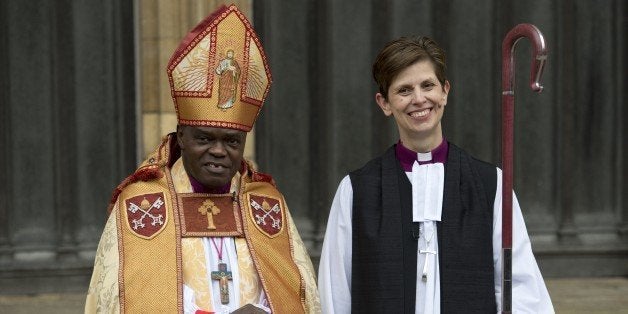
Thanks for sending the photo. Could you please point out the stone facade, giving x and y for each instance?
(67, 95)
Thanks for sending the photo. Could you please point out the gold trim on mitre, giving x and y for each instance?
(219, 74)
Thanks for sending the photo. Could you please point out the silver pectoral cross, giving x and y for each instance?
(426, 252)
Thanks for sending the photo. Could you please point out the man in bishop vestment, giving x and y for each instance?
(418, 229)
(196, 229)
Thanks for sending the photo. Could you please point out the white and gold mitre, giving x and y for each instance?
(219, 74)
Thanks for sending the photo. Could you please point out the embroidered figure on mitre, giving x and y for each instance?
(228, 71)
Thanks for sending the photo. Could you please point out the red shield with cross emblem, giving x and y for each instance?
(267, 214)
(146, 214)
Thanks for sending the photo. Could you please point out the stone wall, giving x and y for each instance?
(67, 96)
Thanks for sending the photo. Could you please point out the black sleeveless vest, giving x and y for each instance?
(385, 249)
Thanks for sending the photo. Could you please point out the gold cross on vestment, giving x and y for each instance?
(209, 209)
(223, 276)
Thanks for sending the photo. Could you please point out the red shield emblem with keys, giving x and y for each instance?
(146, 214)
(267, 214)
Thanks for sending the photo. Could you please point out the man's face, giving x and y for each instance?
(211, 155)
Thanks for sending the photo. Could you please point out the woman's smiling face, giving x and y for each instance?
(416, 99)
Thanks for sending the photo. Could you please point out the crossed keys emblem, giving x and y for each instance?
(145, 207)
(267, 214)
(267, 210)
(146, 214)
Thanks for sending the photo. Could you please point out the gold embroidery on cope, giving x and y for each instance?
(209, 215)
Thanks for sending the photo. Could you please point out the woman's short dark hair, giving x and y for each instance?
(404, 52)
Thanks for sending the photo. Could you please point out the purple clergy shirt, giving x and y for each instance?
(198, 187)
(407, 157)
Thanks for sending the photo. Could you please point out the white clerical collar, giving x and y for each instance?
(424, 157)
